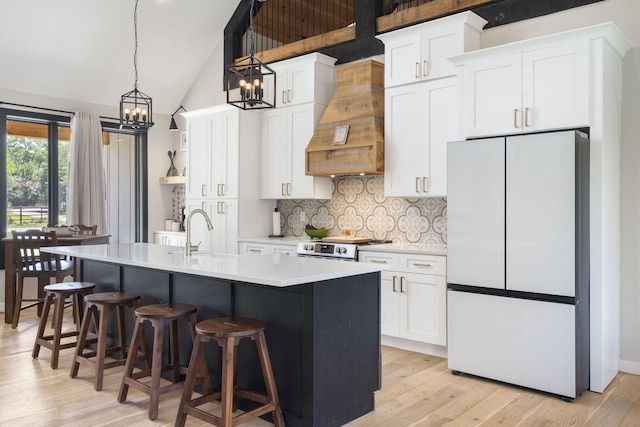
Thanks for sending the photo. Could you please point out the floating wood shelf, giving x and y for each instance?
(173, 180)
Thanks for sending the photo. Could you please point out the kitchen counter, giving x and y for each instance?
(270, 270)
(408, 248)
(322, 318)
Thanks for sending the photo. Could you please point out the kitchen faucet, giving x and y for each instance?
(187, 225)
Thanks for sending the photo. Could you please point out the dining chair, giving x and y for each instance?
(34, 263)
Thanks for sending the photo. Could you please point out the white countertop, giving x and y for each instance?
(411, 248)
(271, 270)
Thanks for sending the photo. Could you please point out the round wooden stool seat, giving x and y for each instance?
(230, 326)
(69, 287)
(160, 316)
(228, 332)
(112, 298)
(98, 306)
(57, 294)
(166, 311)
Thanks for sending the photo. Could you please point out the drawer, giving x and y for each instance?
(379, 258)
(426, 264)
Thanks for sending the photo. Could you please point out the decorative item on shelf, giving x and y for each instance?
(172, 169)
(136, 110)
(173, 125)
(246, 79)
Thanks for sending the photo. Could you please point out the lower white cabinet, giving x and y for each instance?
(267, 249)
(171, 238)
(413, 296)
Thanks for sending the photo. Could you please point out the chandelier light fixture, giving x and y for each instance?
(246, 79)
(136, 111)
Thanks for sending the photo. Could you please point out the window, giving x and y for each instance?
(34, 166)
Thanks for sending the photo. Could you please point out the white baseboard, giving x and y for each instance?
(629, 367)
(418, 347)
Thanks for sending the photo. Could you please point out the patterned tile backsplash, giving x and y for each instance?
(358, 202)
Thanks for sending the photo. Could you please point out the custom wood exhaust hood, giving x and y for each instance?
(349, 139)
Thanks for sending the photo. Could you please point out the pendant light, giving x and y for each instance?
(246, 80)
(136, 111)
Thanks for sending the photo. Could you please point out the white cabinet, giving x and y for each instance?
(413, 296)
(267, 249)
(308, 78)
(219, 183)
(420, 120)
(533, 90)
(212, 157)
(420, 52)
(285, 135)
(170, 238)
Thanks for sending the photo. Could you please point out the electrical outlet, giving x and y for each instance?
(303, 216)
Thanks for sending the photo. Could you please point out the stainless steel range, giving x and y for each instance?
(342, 251)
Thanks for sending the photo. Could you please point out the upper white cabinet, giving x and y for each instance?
(286, 133)
(421, 102)
(420, 52)
(305, 85)
(419, 122)
(533, 90)
(212, 157)
(308, 78)
(223, 159)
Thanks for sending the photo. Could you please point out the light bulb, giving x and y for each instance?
(243, 82)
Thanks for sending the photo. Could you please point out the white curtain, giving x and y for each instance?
(86, 202)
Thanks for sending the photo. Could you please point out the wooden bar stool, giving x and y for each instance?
(228, 331)
(160, 316)
(57, 294)
(97, 309)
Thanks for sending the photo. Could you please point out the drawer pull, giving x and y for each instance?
(421, 265)
(378, 261)
(255, 251)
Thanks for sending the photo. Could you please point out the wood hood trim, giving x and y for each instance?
(359, 103)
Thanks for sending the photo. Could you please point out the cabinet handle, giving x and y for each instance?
(515, 118)
(421, 265)
(203, 190)
(288, 188)
(526, 116)
(402, 284)
(417, 184)
(204, 206)
(282, 189)
(425, 184)
(221, 208)
(284, 99)
(255, 251)
(378, 261)
(417, 70)
(223, 189)
(394, 283)
(425, 68)
(289, 96)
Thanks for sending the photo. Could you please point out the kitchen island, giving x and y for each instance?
(322, 318)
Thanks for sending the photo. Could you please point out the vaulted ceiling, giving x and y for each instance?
(82, 50)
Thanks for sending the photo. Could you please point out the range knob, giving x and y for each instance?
(308, 247)
(341, 250)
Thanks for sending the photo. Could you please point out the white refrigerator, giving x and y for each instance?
(518, 260)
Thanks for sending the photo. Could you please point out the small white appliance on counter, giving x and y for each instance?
(518, 260)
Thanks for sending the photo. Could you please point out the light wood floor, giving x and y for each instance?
(417, 390)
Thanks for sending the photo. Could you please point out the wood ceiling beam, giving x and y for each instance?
(425, 12)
